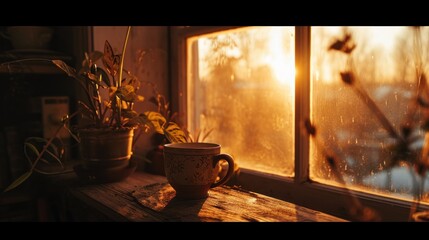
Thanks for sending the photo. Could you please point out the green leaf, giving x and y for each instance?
(36, 144)
(55, 156)
(54, 153)
(56, 149)
(94, 78)
(104, 77)
(32, 147)
(127, 113)
(139, 98)
(127, 93)
(157, 121)
(174, 133)
(18, 181)
(110, 60)
(66, 68)
(139, 120)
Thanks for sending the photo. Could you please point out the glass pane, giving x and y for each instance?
(241, 85)
(385, 64)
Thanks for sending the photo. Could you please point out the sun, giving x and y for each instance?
(281, 57)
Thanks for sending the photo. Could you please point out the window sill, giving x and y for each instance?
(321, 197)
(114, 202)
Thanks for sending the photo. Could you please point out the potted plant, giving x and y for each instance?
(108, 120)
(155, 157)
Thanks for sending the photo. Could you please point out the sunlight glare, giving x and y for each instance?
(281, 60)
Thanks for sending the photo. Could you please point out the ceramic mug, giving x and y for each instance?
(192, 168)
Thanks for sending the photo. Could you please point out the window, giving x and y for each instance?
(237, 81)
(241, 86)
(384, 61)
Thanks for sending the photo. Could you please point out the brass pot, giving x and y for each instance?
(106, 148)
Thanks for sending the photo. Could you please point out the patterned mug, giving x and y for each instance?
(192, 168)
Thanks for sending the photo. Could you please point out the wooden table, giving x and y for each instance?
(116, 202)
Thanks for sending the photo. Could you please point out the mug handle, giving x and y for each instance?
(230, 160)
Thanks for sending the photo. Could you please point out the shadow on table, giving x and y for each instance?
(184, 210)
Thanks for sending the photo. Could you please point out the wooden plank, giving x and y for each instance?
(119, 206)
(116, 197)
(226, 204)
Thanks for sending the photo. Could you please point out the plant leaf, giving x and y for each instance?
(32, 147)
(127, 113)
(158, 121)
(55, 156)
(85, 110)
(139, 120)
(94, 78)
(110, 61)
(139, 98)
(72, 134)
(127, 93)
(66, 68)
(206, 134)
(112, 91)
(34, 150)
(174, 133)
(52, 151)
(18, 181)
(197, 138)
(104, 77)
(57, 146)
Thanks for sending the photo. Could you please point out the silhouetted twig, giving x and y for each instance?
(355, 209)
(401, 150)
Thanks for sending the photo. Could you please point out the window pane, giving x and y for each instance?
(384, 63)
(241, 85)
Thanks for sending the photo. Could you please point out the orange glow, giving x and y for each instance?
(241, 83)
(376, 42)
(281, 61)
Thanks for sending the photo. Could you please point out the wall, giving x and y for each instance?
(153, 67)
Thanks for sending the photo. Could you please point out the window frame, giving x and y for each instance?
(300, 189)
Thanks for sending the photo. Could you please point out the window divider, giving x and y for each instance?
(302, 101)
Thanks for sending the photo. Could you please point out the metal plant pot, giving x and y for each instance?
(106, 148)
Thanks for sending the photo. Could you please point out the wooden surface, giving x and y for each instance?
(115, 202)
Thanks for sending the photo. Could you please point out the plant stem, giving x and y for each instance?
(377, 112)
(98, 113)
(25, 60)
(49, 143)
(121, 68)
(355, 209)
(88, 95)
(369, 102)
